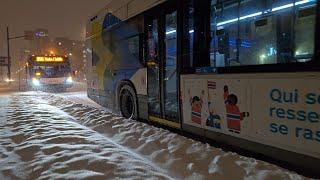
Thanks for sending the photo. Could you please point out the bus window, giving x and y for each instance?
(152, 41)
(262, 32)
(170, 70)
(152, 59)
(191, 32)
(188, 33)
(224, 26)
(257, 35)
(304, 33)
(133, 46)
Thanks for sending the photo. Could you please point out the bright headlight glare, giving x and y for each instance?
(69, 80)
(9, 80)
(35, 82)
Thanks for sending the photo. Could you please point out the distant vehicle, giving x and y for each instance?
(246, 73)
(49, 73)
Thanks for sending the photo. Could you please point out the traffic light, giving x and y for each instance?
(28, 35)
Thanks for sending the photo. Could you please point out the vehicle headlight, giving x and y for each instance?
(69, 80)
(9, 80)
(35, 82)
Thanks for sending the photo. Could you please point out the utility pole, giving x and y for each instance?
(9, 58)
(28, 35)
(1, 73)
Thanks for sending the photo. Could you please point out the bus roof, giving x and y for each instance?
(124, 9)
(119, 10)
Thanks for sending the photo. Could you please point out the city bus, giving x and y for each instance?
(240, 72)
(48, 73)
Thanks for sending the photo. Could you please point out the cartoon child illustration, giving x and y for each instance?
(196, 107)
(234, 116)
(213, 120)
(225, 93)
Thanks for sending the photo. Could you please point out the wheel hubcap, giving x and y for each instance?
(127, 104)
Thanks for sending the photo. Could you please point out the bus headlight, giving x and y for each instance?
(9, 80)
(69, 80)
(35, 82)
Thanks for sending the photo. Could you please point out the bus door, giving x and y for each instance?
(161, 54)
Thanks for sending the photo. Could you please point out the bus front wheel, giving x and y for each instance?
(128, 105)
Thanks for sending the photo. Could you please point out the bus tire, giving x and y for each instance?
(128, 102)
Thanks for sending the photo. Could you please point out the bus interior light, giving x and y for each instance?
(171, 32)
(250, 15)
(282, 7)
(265, 12)
(227, 22)
(303, 2)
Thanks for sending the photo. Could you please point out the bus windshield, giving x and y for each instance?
(51, 71)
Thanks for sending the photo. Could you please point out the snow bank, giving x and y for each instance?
(182, 157)
(79, 97)
(78, 86)
(7, 88)
(38, 140)
(47, 136)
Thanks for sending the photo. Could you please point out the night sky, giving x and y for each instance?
(63, 18)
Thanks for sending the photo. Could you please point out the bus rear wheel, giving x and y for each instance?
(128, 106)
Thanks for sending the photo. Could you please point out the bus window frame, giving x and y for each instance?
(311, 66)
(153, 13)
(317, 35)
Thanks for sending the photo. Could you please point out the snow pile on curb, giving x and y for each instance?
(5, 87)
(38, 140)
(48, 137)
(182, 157)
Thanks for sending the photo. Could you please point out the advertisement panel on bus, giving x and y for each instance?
(282, 112)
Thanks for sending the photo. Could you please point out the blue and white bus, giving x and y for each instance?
(241, 72)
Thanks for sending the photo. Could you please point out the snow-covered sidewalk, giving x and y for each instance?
(47, 136)
(5, 87)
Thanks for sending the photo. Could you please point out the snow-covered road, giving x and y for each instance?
(67, 136)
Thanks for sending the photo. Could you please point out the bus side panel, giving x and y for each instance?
(115, 58)
(287, 113)
(277, 111)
